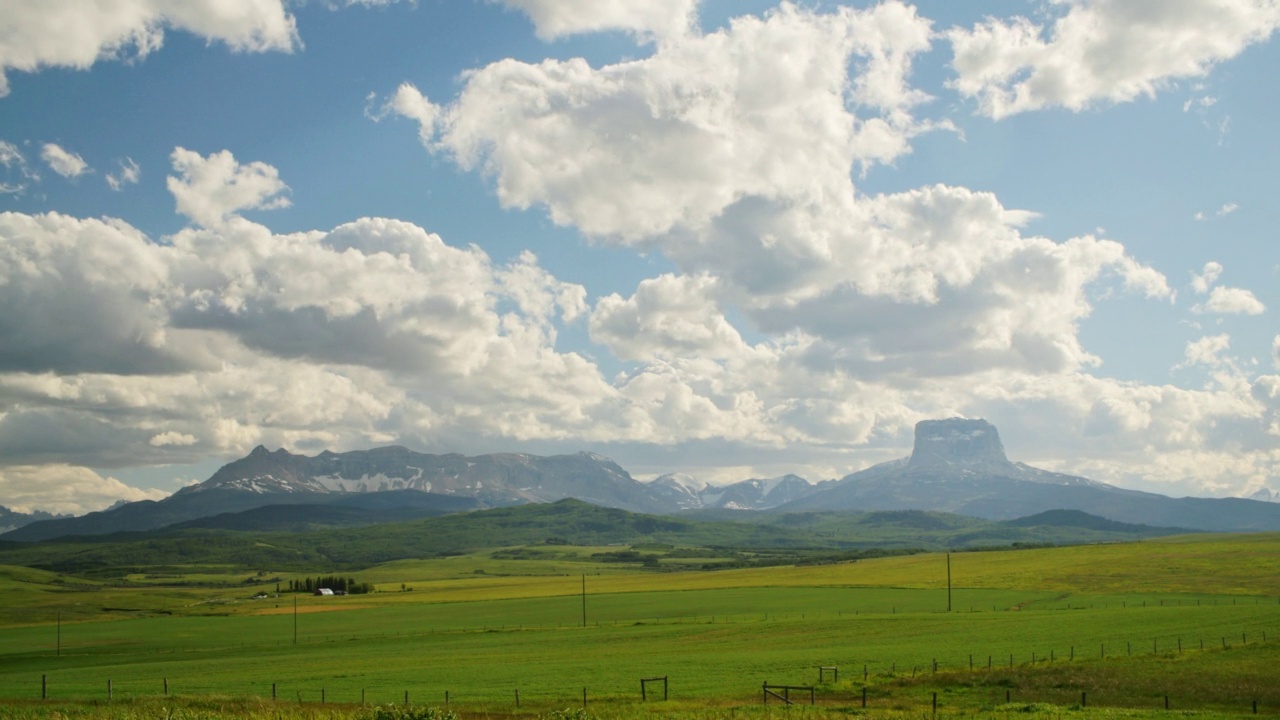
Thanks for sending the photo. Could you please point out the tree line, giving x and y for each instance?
(332, 582)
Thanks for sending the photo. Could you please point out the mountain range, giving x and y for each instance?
(956, 466)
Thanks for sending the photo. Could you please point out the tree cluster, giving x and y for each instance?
(332, 582)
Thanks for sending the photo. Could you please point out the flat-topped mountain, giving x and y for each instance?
(959, 466)
(948, 443)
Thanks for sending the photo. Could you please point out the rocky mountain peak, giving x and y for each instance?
(956, 441)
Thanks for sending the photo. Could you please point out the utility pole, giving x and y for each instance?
(948, 582)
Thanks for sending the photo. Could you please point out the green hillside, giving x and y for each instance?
(803, 537)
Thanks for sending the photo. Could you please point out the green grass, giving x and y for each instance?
(717, 635)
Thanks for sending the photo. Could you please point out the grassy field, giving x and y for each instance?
(1103, 620)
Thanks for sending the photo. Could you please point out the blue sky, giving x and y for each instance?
(732, 239)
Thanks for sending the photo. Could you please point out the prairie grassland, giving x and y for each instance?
(1110, 617)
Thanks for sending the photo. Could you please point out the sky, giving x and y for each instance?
(729, 238)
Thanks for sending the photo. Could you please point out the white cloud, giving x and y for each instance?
(1231, 301)
(78, 33)
(211, 189)
(65, 163)
(18, 174)
(1101, 50)
(128, 174)
(65, 489)
(1207, 277)
(1223, 300)
(1207, 350)
(646, 18)
(1227, 209)
(409, 102)
(1201, 103)
(172, 438)
(668, 317)
(636, 149)
(83, 296)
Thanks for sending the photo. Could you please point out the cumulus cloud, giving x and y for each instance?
(211, 189)
(65, 163)
(646, 18)
(409, 102)
(1223, 300)
(738, 168)
(65, 489)
(1207, 350)
(633, 150)
(1101, 50)
(1231, 301)
(78, 33)
(1207, 277)
(83, 296)
(128, 174)
(669, 316)
(172, 438)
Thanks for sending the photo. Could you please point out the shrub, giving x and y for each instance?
(408, 712)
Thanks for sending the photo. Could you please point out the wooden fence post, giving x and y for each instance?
(1084, 699)
(108, 689)
(44, 687)
(935, 703)
(584, 698)
(166, 686)
(864, 696)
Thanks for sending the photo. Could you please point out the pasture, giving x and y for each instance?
(1123, 623)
